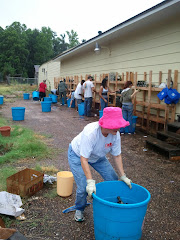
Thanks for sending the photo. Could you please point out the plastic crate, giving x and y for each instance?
(25, 183)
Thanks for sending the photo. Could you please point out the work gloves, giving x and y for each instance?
(91, 187)
(126, 180)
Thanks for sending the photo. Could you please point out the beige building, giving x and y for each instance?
(48, 71)
(147, 42)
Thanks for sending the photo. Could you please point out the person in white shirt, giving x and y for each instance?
(79, 92)
(90, 147)
(88, 87)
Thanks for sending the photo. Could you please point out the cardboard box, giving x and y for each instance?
(25, 183)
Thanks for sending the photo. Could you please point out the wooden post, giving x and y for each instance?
(167, 106)
(175, 86)
(135, 85)
(158, 110)
(149, 101)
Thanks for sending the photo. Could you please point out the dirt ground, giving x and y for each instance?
(44, 217)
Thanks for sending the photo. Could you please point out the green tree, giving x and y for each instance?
(73, 38)
(13, 49)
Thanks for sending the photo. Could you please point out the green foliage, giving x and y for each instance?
(73, 38)
(21, 144)
(22, 48)
(4, 174)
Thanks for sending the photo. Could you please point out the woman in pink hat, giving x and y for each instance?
(90, 147)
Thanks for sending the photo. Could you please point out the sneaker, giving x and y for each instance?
(79, 216)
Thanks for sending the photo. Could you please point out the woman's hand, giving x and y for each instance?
(91, 187)
(126, 180)
(105, 100)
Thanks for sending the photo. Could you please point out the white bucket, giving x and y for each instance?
(64, 183)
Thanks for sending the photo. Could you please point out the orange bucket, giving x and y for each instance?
(5, 131)
(64, 183)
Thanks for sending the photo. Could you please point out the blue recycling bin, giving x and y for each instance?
(133, 126)
(18, 113)
(100, 113)
(26, 96)
(81, 109)
(114, 221)
(1, 99)
(46, 106)
(35, 96)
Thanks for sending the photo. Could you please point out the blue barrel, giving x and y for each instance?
(81, 109)
(133, 126)
(113, 221)
(18, 113)
(47, 99)
(46, 106)
(35, 96)
(100, 113)
(26, 96)
(1, 99)
(54, 98)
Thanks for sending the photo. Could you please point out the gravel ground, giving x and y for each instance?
(44, 217)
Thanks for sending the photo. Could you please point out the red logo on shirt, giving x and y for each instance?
(108, 145)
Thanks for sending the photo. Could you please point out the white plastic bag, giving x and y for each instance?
(10, 204)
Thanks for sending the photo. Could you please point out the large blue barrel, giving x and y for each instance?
(54, 98)
(114, 221)
(46, 106)
(1, 99)
(47, 99)
(26, 96)
(81, 109)
(18, 113)
(133, 125)
(100, 113)
(35, 96)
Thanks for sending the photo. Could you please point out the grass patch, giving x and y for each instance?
(22, 143)
(52, 192)
(17, 89)
(5, 173)
(47, 169)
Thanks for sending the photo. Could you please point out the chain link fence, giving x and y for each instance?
(21, 80)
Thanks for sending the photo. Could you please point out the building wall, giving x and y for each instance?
(156, 48)
(47, 71)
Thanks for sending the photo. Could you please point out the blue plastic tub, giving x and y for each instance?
(113, 221)
(35, 96)
(47, 99)
(133, 128)
(18, 113)
(81, 109)
(1, 99)
(100, 113)
(46, 106)
(26, 96)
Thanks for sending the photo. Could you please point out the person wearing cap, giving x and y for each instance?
(89, 148)
(42, 89)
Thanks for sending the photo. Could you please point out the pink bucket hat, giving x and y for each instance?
(112, 118)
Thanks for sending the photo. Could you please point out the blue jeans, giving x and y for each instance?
(62, 95)
(103, 104)
(102, 166)
(87, 106)
(127, 111)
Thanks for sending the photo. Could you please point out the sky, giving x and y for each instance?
(86, 17)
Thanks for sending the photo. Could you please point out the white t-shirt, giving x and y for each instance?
(91, 144)
(79, 90)
(88, 85)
